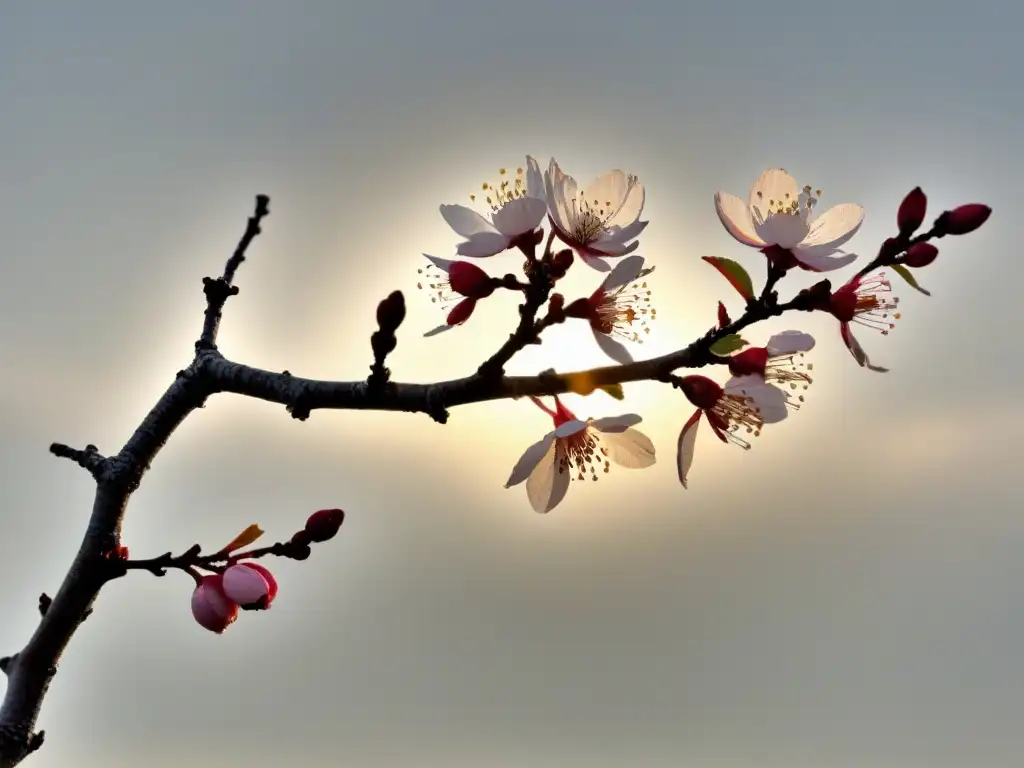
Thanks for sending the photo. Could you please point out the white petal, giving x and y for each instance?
(625, 272)
(594, 263)
(631, 449)
(546, 486)
(781, 229)
(443, 264)
(570, 428)
(625, 234)
(465, 221)
(618, 198)
(606, 247)
(772, 185)
(614, 349)
(520, 215)
(818, 263)
(534, 180)
(835, 226)
(735, 217)
(769, 400)
(788, 343)
(857, 350)
(440, 329)
(685, 445)
(561, 193)
(531, 457)
(482, 245)
(615, 423)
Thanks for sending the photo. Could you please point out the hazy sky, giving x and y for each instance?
(845, 595)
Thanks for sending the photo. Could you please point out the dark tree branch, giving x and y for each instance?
(30, 670)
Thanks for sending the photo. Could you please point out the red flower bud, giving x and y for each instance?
(324, 525)
(912, 211)
(469, 280)
(966, 218)
(561, 261)
(723, 316)
(921, 255)
(556, 303)
(250, 585)
(211, 608)
(701, 391)
(391, 311)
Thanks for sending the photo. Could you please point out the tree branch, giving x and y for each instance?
(30, 670)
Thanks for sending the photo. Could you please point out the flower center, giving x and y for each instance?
(734, 412)
(583, 454)
(786, 369)
(874, 306)
(591, 218)
(438, 284)
(625, 312)
(497, 196)
(802, 205)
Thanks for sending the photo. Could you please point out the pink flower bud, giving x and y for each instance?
(324, 524)
(912, 211)
(391, 311)
(211, 608)
(921, 255)
(250, 585)
(966, 218)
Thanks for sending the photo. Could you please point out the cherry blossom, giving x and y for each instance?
(517, 207)
(775, 363)
(575, 448)
(620, 307)
(779, 219)
(602, 220)
(455, 282)
(867, 302)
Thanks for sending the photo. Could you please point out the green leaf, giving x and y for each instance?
(615, 390)
(903, 272)
(726, 345)
(734, 273)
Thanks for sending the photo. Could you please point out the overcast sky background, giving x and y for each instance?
(845, 595)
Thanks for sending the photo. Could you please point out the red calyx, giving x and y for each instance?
(749, 361)
(469, 280)
(843, 304)
(460, 312)
(780, 258)
(701, 391)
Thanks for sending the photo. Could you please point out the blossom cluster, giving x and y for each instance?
(600, 225)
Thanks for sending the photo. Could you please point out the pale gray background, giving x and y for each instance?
(846, 594)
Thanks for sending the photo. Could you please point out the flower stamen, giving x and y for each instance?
(497, 196)
(625, 312)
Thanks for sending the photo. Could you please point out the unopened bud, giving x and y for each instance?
(965, 218)
(556, 303)
(561, 262)
(921, 255)
(250, 585)
(211, 608)
(391, 311)
(324, 524)
(912, 211)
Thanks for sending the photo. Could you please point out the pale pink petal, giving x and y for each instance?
(614, 349)
(531, 457)
(443, 264)
(561, 193)
(534, 180)
(547, 485)
(625, 272)
(465, 221)
(818, 263)
(769, 400)
(521, 215)
(780, 229)
(834, 227)
(771, 187)
(631, 448)
(605, 247)
(483, 245)
(570, 428)
(595, 263)
(245, 585)
(625, 234)
(685, 445)
(439, 329)
(735, 217)
(616, 197)
(789, 343)
(857, 350)
(615, 423)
